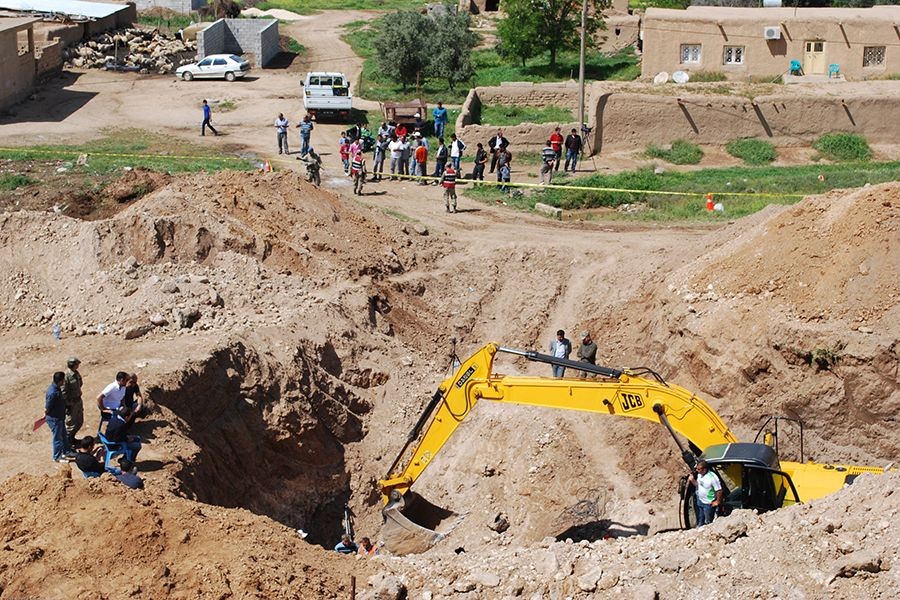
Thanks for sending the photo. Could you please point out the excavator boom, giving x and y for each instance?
(621, 393)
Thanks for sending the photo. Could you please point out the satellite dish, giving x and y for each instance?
(661, 77)
(680, 77)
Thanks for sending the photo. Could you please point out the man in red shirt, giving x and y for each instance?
(556, 142)
(421, 156)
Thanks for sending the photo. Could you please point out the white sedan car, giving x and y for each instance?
(228, 66)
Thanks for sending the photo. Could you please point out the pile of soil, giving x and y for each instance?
(833, 547)
(288, 339)
(68, 537)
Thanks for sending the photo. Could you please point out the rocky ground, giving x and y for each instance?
(288, 337)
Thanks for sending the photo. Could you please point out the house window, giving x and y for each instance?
(690, 53)
(734, 55)
(873, 56)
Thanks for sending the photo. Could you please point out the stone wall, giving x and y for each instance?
(254, 38)
(16, 71)
(528, 136)
(628, 116)
(48, 59)
(633, 120)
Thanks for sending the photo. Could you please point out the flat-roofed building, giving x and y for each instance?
(744, 43)
(16, 60)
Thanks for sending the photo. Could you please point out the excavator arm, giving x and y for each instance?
(621, 394)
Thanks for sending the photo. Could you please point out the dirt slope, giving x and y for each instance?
(288, 339)
(65, 537)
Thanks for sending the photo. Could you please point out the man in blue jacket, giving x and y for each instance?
(439, 115)
(560, 347)
(55, 412)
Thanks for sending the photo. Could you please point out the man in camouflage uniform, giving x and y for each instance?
(71, 393)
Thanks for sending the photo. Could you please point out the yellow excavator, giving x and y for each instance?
(751, 473)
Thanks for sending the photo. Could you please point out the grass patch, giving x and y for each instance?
(119, 148)
(170, 23)
(681, 153)
(306, 7)
(226, 105)
(11, 181)
(707, 76)
(490, 70)
(839, 146)
(752, 151)
(777, 181)
(292, 45)
(503, 115)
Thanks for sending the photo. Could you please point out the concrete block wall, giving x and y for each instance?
(212, 39)
(256, 39)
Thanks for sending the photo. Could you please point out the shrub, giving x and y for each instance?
(752, 151)
(839, 146)
(707, 76)
(681, 153)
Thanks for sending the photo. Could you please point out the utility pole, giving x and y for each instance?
(584, 7)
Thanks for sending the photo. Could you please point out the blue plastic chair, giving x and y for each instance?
(796, 68)
(114, 449)
(834, 70)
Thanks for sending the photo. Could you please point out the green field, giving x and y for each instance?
(780, 182)
(503, 116)
(305, 7)
(490, 70)
(131, 148)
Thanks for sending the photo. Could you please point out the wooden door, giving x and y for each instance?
(814, 57)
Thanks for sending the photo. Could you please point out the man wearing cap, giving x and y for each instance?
(71, 393)
(587, 351)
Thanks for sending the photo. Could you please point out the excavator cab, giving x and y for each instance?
(751, 478)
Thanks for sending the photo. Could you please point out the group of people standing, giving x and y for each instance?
(406, 150)
(120, 403)
(561, 347)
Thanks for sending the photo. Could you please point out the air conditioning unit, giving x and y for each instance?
(772, 32)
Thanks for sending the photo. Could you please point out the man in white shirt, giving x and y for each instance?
(110, 398)
(709, 493)
(396, 148)
(560, 347)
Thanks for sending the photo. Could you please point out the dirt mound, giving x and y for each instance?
(66, 538)
(791, 312)
(833, 256)
(209, 250)
(835, 547)
(134, 184)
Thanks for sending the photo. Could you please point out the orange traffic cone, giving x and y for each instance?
(267, 168)
(709, 202)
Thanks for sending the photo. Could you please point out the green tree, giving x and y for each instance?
(516, 31)
(401, 52)
(532, 26)
(450, 49)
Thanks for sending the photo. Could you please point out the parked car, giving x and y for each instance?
(228, 66)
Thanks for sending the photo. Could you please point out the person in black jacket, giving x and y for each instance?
(55, 415)
(85, 459)
(573, 149)
(116, 431)
(494, 145)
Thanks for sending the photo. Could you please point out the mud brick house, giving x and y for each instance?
(853, 43)
(16, 60)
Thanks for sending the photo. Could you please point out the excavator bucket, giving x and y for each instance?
(411, 523)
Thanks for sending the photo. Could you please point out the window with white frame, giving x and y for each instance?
(690, 53)
(733, 55)
(873, 56)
